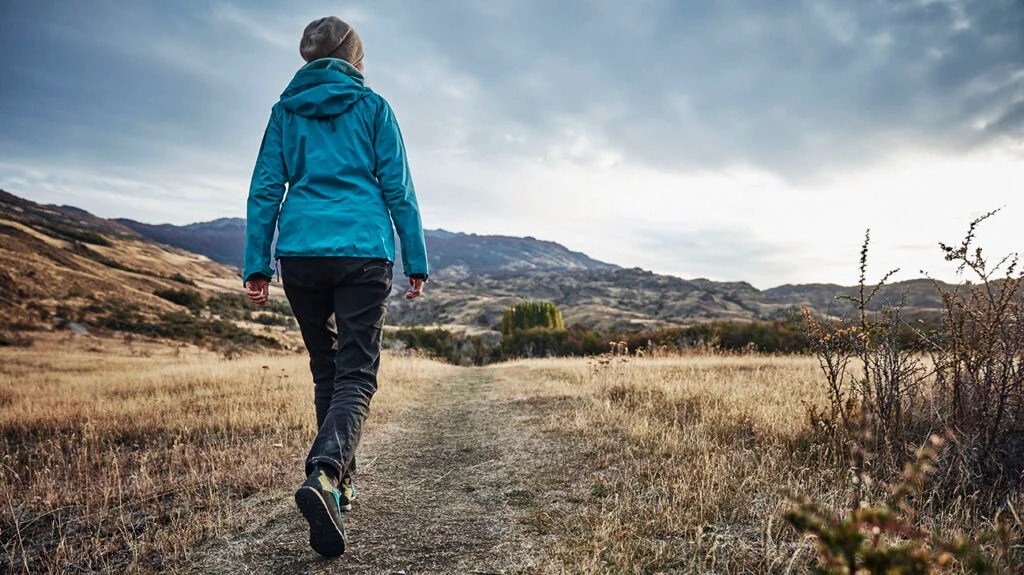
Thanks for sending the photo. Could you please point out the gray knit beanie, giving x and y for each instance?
(331, 38)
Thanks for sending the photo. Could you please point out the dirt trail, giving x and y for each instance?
(439, 492)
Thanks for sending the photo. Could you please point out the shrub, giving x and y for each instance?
(183, 297)
(580, 340)
(883, 538)
(184, 326)
(229, 305)
(15, 338)
(279, 307)
(178, 277)
(535, 342)
(979, 361)
(70, 233)
(763, 336)
(275, 319)
(458, 349)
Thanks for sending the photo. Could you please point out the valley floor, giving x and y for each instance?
(135, 457)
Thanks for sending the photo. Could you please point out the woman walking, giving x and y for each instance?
(334, 144)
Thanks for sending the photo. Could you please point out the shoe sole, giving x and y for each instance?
(324, 536)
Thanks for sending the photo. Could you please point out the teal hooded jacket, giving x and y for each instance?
(332, 176)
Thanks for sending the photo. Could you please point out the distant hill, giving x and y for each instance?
(61, 264)
(917, 294)
(631, 299)
(459, 253)
(223, 240)
(54, 258)
(220, 240)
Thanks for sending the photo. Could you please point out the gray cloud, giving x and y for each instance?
(725, 254)
(796, 88)
(1010, 123)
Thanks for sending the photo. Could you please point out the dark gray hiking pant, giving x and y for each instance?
(351, 294)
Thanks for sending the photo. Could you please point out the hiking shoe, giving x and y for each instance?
(320, 503)
(348, 493)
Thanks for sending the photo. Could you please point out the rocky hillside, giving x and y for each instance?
(630, 299)
(62, 266)
(917, 294)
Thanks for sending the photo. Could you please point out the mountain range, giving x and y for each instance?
(454, 253)
(473, 276)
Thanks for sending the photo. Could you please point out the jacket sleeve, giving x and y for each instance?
(265, 194)
(392, 171)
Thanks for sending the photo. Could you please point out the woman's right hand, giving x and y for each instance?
(258, 290)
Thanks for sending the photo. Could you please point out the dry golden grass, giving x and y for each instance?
(123, 457)
(126, 457)
(686, 463)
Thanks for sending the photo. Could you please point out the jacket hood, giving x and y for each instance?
(324, 88)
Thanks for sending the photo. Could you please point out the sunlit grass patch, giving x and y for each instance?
(127, 458)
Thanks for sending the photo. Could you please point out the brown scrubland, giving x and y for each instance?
(136, 456)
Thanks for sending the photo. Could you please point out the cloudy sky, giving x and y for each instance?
(731, 140)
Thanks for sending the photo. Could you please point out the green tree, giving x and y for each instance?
(531, 314)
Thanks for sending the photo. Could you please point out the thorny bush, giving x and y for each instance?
(887, 397)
